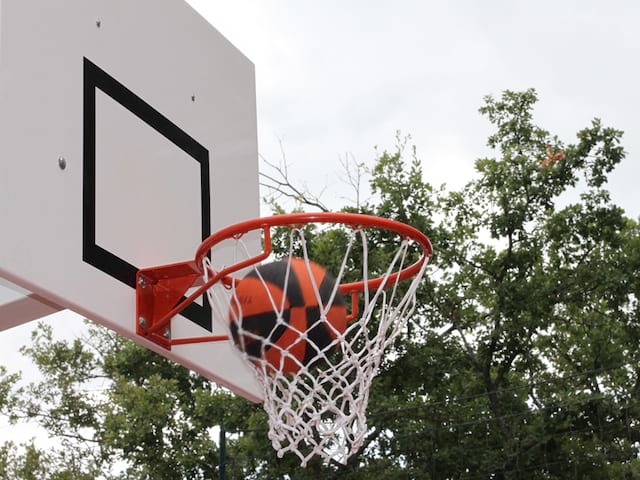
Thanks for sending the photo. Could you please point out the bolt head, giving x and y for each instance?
(142, 322)
(167, 333)
(62, 163)
(142, 281)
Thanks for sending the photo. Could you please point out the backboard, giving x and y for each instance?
(127, 136)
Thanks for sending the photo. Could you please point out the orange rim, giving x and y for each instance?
(293, 220)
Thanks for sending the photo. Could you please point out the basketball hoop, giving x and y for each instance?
(318, 408)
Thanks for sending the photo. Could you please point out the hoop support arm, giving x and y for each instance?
(160, 295)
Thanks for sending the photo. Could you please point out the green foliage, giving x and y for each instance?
(32, 463)
(520, 361)
(121, 410)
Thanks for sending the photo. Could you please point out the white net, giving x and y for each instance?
(315, 370)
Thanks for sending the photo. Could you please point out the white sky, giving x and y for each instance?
(340, 77)
(336, 77)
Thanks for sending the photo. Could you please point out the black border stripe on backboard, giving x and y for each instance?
(97, 79)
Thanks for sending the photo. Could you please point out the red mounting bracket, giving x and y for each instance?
(160, 295)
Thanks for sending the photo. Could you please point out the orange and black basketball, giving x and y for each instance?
(279, 341)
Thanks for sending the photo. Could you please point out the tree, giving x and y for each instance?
(520, 361)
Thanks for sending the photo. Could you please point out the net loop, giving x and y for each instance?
(319, 408)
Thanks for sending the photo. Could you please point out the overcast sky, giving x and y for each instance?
(340, 77)
(337, 78)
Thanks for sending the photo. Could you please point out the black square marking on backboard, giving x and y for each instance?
(97, 79)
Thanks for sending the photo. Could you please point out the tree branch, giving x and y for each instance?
(280, 185)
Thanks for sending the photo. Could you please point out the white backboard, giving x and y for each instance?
(127, 135)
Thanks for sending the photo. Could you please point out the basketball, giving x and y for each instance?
(294, 339)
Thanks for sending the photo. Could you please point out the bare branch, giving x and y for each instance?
(279, 184)
(355, 173)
